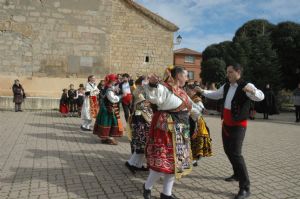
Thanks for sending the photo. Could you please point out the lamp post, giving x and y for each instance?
(178, 40)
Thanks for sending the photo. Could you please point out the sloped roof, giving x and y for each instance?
(186, 51)
(156, 18)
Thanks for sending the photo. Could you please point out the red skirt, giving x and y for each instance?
(63, 108)
(159, 148)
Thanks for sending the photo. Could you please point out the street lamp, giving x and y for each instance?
(178, 40)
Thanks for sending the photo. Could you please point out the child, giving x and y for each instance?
(80, 98)
(63, 105)
(72, 94)
(200, 136)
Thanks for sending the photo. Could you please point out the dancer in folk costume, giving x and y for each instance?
(108, 123)
(168, 149)
(200, 136)
(236, 95)
(90, 105)
(63, 103)
(139, 123)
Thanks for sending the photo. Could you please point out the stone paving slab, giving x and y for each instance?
(43, 155)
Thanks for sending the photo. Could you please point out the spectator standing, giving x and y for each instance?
(297, 102)
(19, 95)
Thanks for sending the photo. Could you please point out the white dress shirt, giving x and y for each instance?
(258, 95)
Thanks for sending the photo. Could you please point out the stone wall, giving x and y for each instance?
(54, 38)
(30, 103)
(134, 37)
(73, 39)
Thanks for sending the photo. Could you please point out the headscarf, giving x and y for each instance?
(110, 77)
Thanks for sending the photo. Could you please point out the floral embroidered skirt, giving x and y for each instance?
(201, 141)
(140, 129)
(168, 148)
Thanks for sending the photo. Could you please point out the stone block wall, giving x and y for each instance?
(134, 37)
(69, 39)
(58, 38)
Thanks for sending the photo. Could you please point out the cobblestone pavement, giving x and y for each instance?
(43, 155)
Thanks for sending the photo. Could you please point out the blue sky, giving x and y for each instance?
(204, 22)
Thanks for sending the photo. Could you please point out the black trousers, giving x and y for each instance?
(297, 112)
(233, 137)
(127, 111)
(18, 106)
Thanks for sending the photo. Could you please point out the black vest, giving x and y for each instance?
(240, 104)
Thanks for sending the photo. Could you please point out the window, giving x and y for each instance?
(147, 59)
(191, 74)
(189, 59)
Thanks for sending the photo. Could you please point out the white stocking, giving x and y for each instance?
(168, 184)
(152, 178)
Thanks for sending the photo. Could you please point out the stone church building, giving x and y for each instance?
(48, 44)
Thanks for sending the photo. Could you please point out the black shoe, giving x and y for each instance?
(131, 168)
(142, 168)
(243, 193)
(231, 179)
(163, 196)
(84, 129)
(195, 164)
(146, 193)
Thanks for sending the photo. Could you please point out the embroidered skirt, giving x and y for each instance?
(168, 147)
(139, 129)
(201, 141)
(108, 122)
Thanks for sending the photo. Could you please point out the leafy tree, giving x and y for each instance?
(263, 66)
(286, 40)
(213, 70)
(254, 28)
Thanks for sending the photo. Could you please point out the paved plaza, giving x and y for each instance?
(43, 155)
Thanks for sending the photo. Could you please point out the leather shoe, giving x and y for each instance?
(146, 193)
(163, 196)
(131, 168)
(243, 193)
(231, 179)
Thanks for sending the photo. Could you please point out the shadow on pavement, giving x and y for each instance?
(85, 174)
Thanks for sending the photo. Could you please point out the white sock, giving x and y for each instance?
(89, 123)
(169, 180)
(139, 160)
(152, 178)
(132, 159)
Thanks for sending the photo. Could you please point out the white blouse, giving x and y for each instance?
(112, 97)
(166, 100)
(218, 94)
(91, 88)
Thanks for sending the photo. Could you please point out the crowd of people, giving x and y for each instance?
(165, 124)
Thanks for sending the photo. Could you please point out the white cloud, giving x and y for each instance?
(203, 22)
(280, 9)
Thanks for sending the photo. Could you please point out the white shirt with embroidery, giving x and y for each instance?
(94, 91)
(167, 100)
(111, 96)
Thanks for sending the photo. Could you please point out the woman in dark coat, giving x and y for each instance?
(269, 104)
(19, 95)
